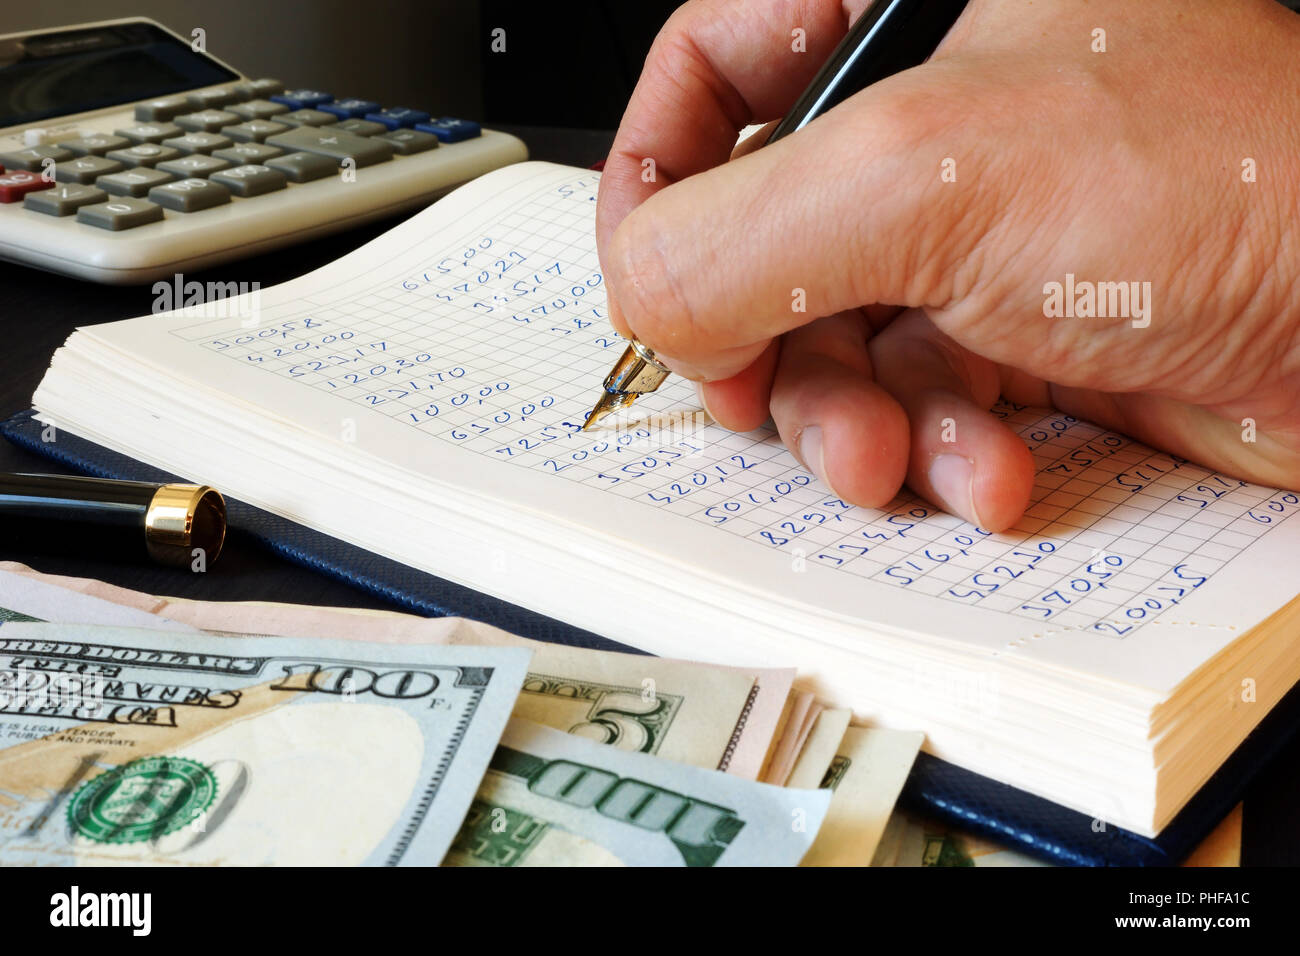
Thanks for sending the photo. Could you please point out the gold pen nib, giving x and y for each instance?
(609, 402)
(636, 372)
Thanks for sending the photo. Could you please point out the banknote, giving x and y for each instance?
(797, 718)
(552, 799)
(819, 748)
(26, 597)
(704, 715)
(866, 775)
(126, 745)
(926, 842)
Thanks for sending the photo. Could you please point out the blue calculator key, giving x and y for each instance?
(397, 117)
(302, 99)
(450, 130)
(350, 108)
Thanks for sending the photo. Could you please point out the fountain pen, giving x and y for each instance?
(890, 36)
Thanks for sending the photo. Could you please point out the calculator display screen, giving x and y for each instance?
(44, 75)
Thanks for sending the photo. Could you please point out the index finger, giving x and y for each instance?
(716, 67)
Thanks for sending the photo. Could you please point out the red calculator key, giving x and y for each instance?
(17, 184)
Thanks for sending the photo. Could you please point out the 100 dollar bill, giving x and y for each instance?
(121, 745)
(553, 799)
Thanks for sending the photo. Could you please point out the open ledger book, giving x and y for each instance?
(422, 398)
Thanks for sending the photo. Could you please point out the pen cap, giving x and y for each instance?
(130, 520)
(182, 518)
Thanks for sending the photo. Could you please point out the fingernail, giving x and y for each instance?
(699, 393)
(812, 454)
(952, 477)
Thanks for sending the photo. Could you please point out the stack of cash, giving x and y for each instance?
(140, 729)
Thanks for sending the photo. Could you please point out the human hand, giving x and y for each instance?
(1123, 166)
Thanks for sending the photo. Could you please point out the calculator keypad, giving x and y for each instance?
(96, 145)
(451, 130)
(199, 142)
(409, 141)
(361, 127)
(17, 183)
(162, 109)
(120, 212)
(85, 169)
(211, 99)
(397, 117)
(63, 200)
(251, 180)
(150, 132)
(206, 121)
(196, 166)
(350, 108)
(252, 89)
(31, 158)
(245, 153)
(307, 117)
(301, 99)
(257, 109)
(334, 143)
(146, 154)
(191, 152)
(133, 182)
(304, 167)
(190, 195)
(254, 131)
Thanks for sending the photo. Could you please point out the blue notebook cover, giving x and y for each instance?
(975, 803)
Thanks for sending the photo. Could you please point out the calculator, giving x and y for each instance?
(129, 154)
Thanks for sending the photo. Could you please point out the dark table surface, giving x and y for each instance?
(39, 310)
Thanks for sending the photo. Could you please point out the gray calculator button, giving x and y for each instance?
(30, 159)
(146, 154)
(85, 169)
(133, 182)
(265, 86)
(254, 131)
(334, 143)
(304, 167)
(190, 195)
(199, 142)
(150, 132)
(162, 109)
(251, 180)
(258, 109)
(120, 212)
(206, 121)
(245, 153)
(211, 99)
(307, 118)
(408, 141)
(195, 166)
(360, 127)
(63, 200)
(95, 145)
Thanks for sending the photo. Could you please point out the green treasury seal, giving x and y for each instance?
(142, 800)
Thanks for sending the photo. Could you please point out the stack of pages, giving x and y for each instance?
(423, 397)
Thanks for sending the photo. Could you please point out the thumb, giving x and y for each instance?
(852, 210)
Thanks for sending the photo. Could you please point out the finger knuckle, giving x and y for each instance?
(647, 285)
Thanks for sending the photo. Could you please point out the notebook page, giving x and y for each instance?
(469, 343)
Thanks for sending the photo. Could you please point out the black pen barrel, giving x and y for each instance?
(116, 520)
(890, 36)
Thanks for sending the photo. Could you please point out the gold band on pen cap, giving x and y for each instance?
(184, 517)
